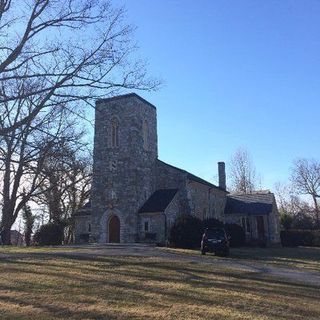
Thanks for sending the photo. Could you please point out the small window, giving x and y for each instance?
(248, 225)
(146, 226)
(89, 227)
(115, 133)
(205, 214)
(243, 223)
(145, 135)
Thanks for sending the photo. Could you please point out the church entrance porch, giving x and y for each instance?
(114, 230)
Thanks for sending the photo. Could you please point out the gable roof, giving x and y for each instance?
(158, 201)
(251, 204)
(192, 177)
(125, 96)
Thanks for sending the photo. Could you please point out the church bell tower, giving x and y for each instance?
(125, 151)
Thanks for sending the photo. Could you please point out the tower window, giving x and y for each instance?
(145, 135)
(146, 226)
(248, 225)
(205, 214)
(115, 133)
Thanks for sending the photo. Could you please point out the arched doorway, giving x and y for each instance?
(114, 229)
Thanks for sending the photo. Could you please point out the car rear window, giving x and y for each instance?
(216, 234)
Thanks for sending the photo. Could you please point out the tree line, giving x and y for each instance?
(297, 200)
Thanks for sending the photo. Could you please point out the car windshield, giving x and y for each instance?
(216, 234)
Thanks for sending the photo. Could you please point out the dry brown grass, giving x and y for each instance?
(302, 258)
(35, 285)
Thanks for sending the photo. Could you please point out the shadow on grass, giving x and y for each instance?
(307, 254)
(134, 280)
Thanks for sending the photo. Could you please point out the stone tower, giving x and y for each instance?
(125, 151)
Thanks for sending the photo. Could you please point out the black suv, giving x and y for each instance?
(216, 241)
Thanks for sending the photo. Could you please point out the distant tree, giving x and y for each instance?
(295, 213)
(28, 219)
(305, 177)
(304, 221)
(66, 182)
(242, 172)
(23, 154)
(289, 203)
(286, 220)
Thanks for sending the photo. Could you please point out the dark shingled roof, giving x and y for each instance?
(125, 96)
(159, 200)
(251, 204)
(192, 177)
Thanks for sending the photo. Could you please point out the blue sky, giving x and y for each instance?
(241, 73)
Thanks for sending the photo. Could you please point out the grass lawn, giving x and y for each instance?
(304, 258)
(301, 257)
(35, 285)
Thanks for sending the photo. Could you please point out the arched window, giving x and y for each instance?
(115, 133)
(145, 135)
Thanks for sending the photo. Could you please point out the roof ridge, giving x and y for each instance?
(124, 96)
(190, 175)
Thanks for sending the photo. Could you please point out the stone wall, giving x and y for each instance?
(159, 223)
(271, 225)
(169, 177)
(82, 227)
(156, 227)
(206, 202)
(218, 202)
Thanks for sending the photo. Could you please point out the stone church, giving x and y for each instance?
(135, 197)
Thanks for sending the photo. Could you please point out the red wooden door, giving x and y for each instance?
(114, 229)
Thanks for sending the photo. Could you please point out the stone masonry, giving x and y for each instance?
(135, 196)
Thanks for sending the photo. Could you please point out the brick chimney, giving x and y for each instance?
(222, 175)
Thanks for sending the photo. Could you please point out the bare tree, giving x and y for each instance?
(28, 219)
(22, 155)
(242, 172)
(57, 53)
(288, 201)
(66, 182)
(305, 177)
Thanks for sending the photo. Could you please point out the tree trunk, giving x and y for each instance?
(316, 209)
(5, 236)
(27, 238)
